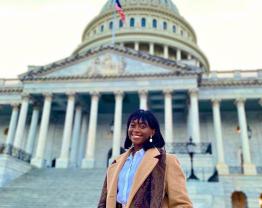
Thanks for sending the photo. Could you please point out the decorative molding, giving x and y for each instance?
(71, 94)
(119, 93)
(241, 82)
(143, 92)
(215, 101)
(168, 92)
(240, 101)
(95, 94)
(47, 94)
(25, 95)
(15, 105)
(193, 92)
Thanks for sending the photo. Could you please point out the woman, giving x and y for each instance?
(144, 176)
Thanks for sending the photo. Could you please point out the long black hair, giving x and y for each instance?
(149, 118)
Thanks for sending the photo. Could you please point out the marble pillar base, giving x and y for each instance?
(38, 162)
(88, 163)
(249, 169)
(11, 168)
(62, 163)
(222, 169)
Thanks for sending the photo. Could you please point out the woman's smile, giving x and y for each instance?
(139, 131)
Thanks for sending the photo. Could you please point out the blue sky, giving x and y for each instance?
(37, 32)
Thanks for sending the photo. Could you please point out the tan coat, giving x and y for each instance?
(175, 188)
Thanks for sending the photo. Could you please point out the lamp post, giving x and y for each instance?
(249, 132)
(191, 146)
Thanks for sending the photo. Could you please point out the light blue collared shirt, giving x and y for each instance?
(126, 176)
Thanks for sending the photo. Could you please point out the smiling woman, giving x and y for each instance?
(144, 175)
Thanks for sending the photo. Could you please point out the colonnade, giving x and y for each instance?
(71, 133)
(165, 53)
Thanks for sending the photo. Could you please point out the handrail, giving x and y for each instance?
(181, 148)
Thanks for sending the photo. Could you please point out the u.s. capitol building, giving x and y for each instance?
(61, 123)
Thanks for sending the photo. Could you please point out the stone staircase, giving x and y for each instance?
(81, 188)
(54, 188)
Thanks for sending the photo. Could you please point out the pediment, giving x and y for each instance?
(104, 63)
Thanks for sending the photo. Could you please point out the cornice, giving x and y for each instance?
(113, 77)
(11, 90)
(231, 82)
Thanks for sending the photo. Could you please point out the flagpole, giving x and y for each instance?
(114, 23)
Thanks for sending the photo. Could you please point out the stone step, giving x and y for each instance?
(72, 188)
(54, 188)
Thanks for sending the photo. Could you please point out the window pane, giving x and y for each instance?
(132, 22)
(120, 23)
(164, 25)
(111, 25)
(143, 22)
(154, 23)
(174, 28)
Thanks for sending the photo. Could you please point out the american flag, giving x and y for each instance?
(120, 10)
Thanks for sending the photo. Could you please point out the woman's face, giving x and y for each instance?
(139, 131)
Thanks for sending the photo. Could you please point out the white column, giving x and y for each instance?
(136, 46)
(221, 166)
(32, 130)
(178, 54)
(12, 125)
(194, 116)
(189, 121)
(89, 160)
(151, 49)
(166, 55)
(63, 160)
(249, 168)
(143, 99)
(75, 137)
(38, 160)
(189, 57)
(83, 138)
(117, 124)
(21, 122)
(168, 119)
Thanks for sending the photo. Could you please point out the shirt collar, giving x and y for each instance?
(139, 153)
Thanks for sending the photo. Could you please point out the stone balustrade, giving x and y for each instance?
(236, 74)
(10, 83)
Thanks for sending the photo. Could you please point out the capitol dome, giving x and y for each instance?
(152, 26)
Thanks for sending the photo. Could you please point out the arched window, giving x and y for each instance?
(102, 28)
(174, 28)
(164, 26)
(132, 22)
(120, 23)
(143, 22)
(239, 200)
(111, 25)
(154, 23)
